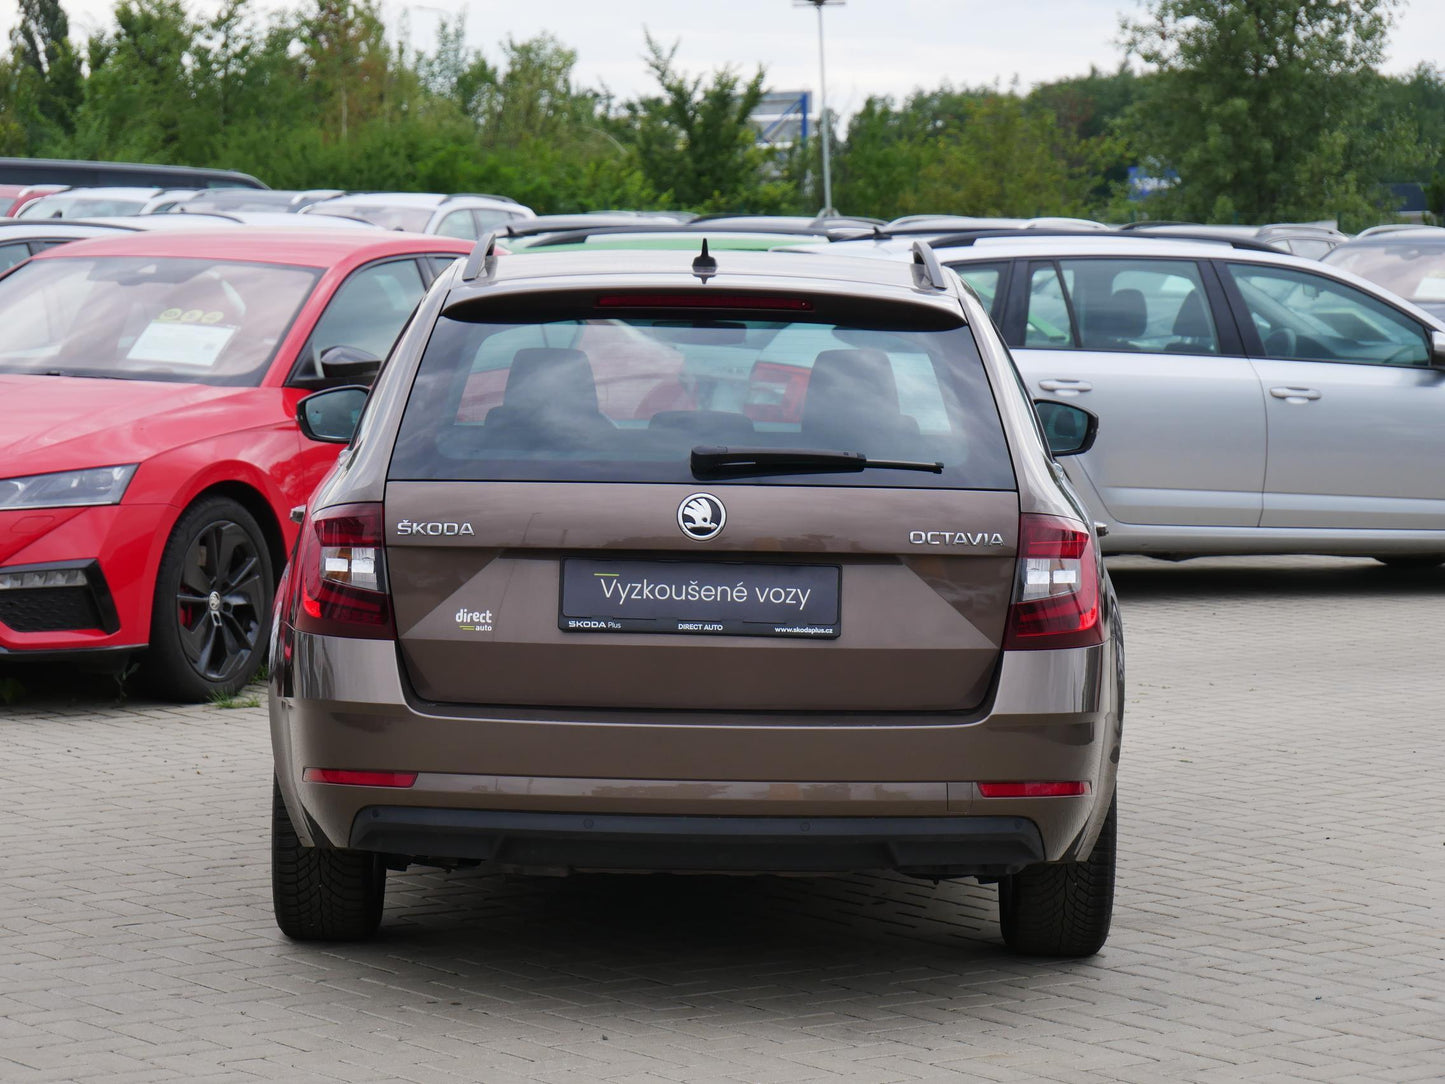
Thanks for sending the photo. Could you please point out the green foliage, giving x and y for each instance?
(970, 152)
(1266, 109)
(1417, 100)
(695, 143)
(44, 77)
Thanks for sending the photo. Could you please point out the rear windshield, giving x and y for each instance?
(387, 216)
(67, 206)
(626, 400)
(1414, 271)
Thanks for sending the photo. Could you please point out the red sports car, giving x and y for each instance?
(149, 449)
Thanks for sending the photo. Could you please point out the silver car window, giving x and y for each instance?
(1049, 321)
(1302, 316)
(1141, 306)
(984, 279)
(488, 219)
(458, 224)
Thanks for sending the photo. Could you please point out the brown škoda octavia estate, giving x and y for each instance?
(748, 563)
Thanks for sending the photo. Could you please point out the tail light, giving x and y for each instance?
(1056, 596)
(340, 574)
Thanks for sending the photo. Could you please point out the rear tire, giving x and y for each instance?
(1413, 562)
(1063, 909)
(321, 894)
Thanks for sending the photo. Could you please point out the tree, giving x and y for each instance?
(695, 140)
(453, 72)
(138, 102)
(532, 97)
(46, 64)
(1263, 107)
(347, 62)
(970, 152)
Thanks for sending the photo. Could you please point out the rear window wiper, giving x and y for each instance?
(727, 460)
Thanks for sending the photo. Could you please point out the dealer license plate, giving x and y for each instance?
(700, 598)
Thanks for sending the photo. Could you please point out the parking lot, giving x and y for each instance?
(1282, 849)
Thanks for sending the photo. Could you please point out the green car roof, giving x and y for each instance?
(671, 242)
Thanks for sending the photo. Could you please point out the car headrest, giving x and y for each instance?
(1124, 316)
(847, 383)
(1192, 322)
(551, 378)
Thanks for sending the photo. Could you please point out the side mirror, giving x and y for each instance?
(330, 416)
(1070, 430)
(348, 363)
(1437, 349)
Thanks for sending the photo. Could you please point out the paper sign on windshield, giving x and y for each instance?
(1431, 288)
(192, 344)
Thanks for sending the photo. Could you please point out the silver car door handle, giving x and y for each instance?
(1066, 385)
(1294, 394)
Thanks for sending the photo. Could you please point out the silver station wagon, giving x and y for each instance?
(1249, 401)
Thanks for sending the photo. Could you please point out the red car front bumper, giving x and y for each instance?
(78, 579)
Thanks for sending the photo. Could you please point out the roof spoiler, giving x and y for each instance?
(483, 258)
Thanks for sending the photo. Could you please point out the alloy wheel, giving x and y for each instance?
(220, 603)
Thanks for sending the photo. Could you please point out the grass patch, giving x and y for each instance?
(229, 701)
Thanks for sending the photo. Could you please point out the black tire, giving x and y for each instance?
(1063, 909)
(212, 611)
(320, 894)
(1412, 562)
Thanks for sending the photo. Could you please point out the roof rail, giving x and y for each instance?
(965, 238)
(924, 257)
(483, 257)
(553, 236)
(1149, 223)
(483, 195)
(1394, 227)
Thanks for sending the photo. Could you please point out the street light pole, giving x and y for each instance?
(823, 105)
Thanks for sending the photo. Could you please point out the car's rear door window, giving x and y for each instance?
(1303, 316)
(1144, 306)
(627, 399)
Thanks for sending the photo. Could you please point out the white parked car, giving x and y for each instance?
(464, 215)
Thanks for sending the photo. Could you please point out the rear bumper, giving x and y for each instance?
(492, 783)
(925, 846)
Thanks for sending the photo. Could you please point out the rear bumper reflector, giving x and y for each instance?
(358, 779)
(1033, 790)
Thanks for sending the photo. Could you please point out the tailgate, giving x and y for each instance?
(586, 595)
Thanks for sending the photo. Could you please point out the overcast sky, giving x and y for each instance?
(873, 46)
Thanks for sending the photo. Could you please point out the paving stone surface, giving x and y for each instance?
(1280, 917)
